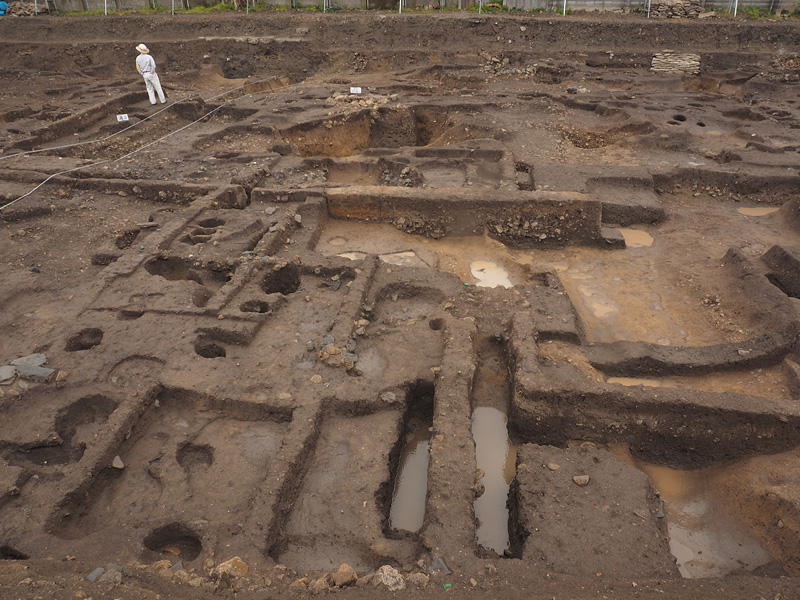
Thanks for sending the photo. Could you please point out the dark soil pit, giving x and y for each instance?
(284, 280)
(174, 539)
(85, 340)
(178, 269)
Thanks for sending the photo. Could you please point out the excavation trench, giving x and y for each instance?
(381, 128)
(495, 453)
(705, 538)
(411, 479)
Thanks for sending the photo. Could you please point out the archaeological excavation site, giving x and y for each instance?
(400, 306)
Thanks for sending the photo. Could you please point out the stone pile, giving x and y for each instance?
(674, 62)
(32, 368)
(17, 8)
(675, 9)
(497, 65)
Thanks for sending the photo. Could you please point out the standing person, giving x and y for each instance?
(147, 67)
(3, 7)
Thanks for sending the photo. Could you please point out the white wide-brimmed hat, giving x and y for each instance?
(142, 48)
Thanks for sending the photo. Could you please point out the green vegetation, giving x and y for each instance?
(220, 7)
(489, 7)
(150, 9)
(757, 13)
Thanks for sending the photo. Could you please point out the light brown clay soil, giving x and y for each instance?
(252, 296)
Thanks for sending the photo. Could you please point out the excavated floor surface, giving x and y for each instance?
(519, 315)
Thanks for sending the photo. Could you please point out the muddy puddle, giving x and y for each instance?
(496, 460)
(756, 211)
(496, 455)
(636, 238)
(637, 381)
(619, 301)
(411, 484)
(490, 274)
(704, 539)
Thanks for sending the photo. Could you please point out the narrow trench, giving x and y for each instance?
(288, 495)
(495, 453)
(411, 457)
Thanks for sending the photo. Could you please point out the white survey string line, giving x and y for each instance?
(110, 160)
(49, 178)
(121, 157)
(169, 134)
(108, 137)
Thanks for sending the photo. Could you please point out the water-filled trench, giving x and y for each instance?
(705, 539)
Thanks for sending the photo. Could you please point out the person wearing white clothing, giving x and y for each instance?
(147, 67)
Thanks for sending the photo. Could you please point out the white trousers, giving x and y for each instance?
(153, 87)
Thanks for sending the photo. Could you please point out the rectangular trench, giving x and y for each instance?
(495, 453)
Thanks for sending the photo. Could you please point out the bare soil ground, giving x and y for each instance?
(259, 300)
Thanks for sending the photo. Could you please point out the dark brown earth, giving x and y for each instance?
(227, 384)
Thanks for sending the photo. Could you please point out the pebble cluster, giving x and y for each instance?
(237, 575)
(420, 225)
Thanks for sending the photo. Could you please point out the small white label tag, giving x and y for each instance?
(122, 118)
(355, 90)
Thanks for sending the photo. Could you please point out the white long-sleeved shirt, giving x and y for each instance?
(145, 64)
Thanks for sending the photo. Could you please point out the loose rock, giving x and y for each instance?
(419, 580)
(235, 567)
(299, 585)
(319, 586)
(32, 360)
(7, 375)
(389, 577)
(113, 577)
(34, 373)
(344, 575)
(161, 565)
